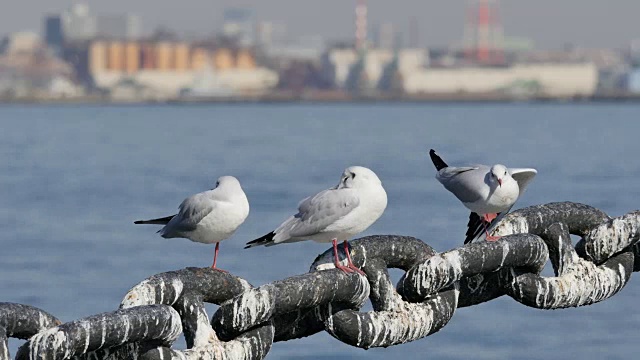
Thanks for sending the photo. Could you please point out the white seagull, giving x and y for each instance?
(207, 217)
(338, 213)
(488, 191)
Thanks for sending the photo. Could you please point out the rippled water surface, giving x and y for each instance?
(73, 179)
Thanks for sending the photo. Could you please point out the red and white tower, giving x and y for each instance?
(483, 36)
(361, 24)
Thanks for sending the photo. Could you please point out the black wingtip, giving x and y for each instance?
(474, 228)
(159, 221)
(261, 240)
(437, 160)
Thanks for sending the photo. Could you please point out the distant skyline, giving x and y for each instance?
(550, 24)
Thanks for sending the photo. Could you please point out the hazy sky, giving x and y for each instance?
(550, 23)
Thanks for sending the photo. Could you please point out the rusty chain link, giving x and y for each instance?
(154, 313)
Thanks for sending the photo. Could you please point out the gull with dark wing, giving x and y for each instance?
(338, 213)
(488, 191)
(207, 217)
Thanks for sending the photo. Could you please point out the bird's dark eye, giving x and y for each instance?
(353, 175)
(217, 183)
(505, 173)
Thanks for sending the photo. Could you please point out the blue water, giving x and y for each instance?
(73, 179)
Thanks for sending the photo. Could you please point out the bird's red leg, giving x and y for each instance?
(350, 263)
(215, 258)
(488, 218)
(335, 258)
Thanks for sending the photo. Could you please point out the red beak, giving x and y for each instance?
(500, 182)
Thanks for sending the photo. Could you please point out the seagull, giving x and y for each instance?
(207, 217)
(338, 213)
(488, 191)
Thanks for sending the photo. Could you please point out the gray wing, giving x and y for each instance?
(192, 210)
(465, 183)
(317, 212)
(523, 176)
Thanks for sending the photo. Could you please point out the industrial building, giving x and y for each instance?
(349, 69)
(238, 24)
(53, 32)
(168, 68)
(408, 71)
(109, 53)
(78, 24)
(119, 26)
(483, 67)
(633, 81)
(27, 68)
(551, 79)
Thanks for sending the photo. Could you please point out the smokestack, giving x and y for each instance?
(483, 40)
(361, 24)
(387, 37)
(414, 33)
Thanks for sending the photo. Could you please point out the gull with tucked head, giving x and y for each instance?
(489, 192)
(338, 213)
(207, 217)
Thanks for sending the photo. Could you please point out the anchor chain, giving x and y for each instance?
(156, 311)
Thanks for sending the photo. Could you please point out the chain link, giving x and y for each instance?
(154, 313)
